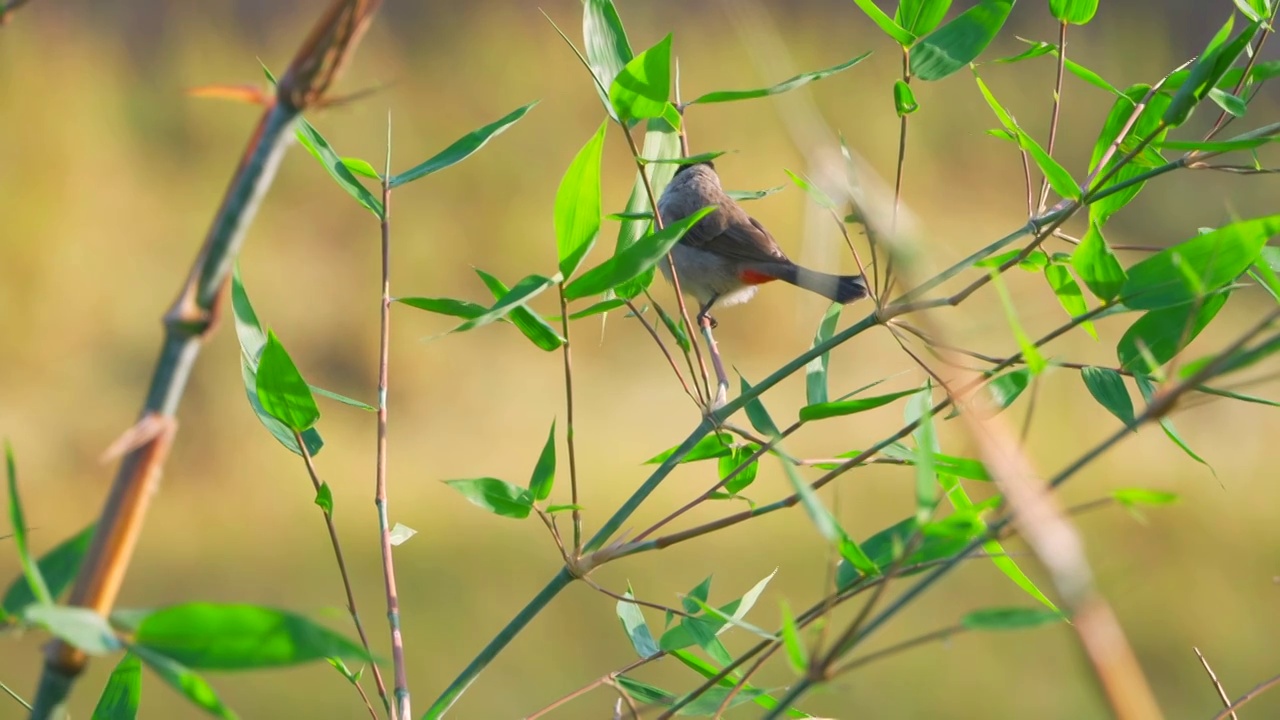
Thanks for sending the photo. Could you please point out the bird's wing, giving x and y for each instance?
(730, 232)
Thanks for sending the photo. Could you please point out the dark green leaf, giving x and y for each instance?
(578, 208)
(528, 322)
(79, 627)
(606, 42)
(784, 86)
(283, 393)
(815, 373)
(1213, 260)
(601, 307)
(239, 637)
(462, 148)
(120, 698)
(904, 101)
(1107, 387)
(544, 472)
(959, 42)
(315, 143)
(445, 306)
(641, 256)
(920, 17)
(886, 23)
(1076, 12)
(1097, 266)
(636, 628)
(734, 460)
(1006, 388)
(58, 567)
(520, 294)
(643, 88)
(252, 341)
(30, 568)
(497, 496)
(757, 414)
(1010, 618)
(849, 407)
(184, 681)
(1164, 333)
(711, 446)
(644, 693)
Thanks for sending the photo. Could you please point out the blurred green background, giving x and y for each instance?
(109, 176)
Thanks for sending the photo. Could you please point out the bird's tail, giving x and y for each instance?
(843, 289)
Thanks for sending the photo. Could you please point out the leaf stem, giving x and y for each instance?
(568, 401)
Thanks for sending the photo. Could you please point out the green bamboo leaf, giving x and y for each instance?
(528, 322)
(920, 409)
(1076, 12)
(58, 568)
(80, 627)
(462, 148)
(1164, 333)
(120, 698)
(849, 407)
(324, 498)
(827, 525)
(283, 393)
(361, 167)
(689, 160)
(608, 50)
(1208, 69)
(30, 568)
(1010, 618)
(710, 446)
(1148, 392)
(660, 141)
(1233, 104)
(796, 654)
(315, 144)
(1147, 125)
(544, 472)
(1030, 353)
(1131, 497)
(497, 496)
(342, 398)
(920, 17)
(741, 195)
(731, 462)
(634, 625)
(640, 257)
(1059, 179)
(644, 693)
(959, 42)
(642, 89)
(1008, 387)
(886, 23)
(180, 678)
(815, 372)
(1107, 387)
(708, 670)
(784, 86)
(819, 196)
(520, 294)
(578, 208)
(238, 636)
(1097, 266)
(757, 414)
(1205, 263)
(904, 101)
(445, 306)
(1069, 296)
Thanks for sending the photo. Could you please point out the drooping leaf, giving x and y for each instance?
(920, 410)
(1148, 393)
(757, 414)
(1164, 333)
(1107, 387)
(1097, 266)
(1069, 296)
(1007, 387)
(1147, 125)
(886, 23)
(634, 625)
(1030, 353)
(784, 86)
(1059, 178)
(58, 567)
(729, 463)
(497, 496)
(182, 679)
(79, 627)
(314, 142)
(462, 148)
(796, 654)
(529, 323)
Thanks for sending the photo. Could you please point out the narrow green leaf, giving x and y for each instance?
(342, 398)
(1215, 259)
(796, 654)
(1233, 104)
(920, 17)
(324, 498)
(757, 414)
(660, 141)
(58, 567)
(79, 627)
(710, 446)
(891, 28)
(520, 294)
(1076, 12)
(30, 569)
(239, 636)
(1131, 497)
(191, 685)
(1010, 618)
(608, 50)
(1097, 266)
(553, 509)
(676, 329)
(641, 256)
(1164, 333)
(642, 89)
(1059, 179)
(497, 496)
(445, 306)
(1148, 392)
(904, 101)
(1107, 387)
(120, 698)
(784, 86)
(634, 625)
(741, 195)
(529, 323)
(959, 42)
(283, 393)
(643, 692)
(544, 472)
(1007, 387)
(1069, 296)
(601, 307)
(731, 462)
(920, 408)
(1217, 145)
(361, 167)
(815, 192)
(849, 407)
(689, 160)
(578, 205)
(462, 148)
(315, 144)
(704, 705)
(815, 373)
(1030, 353)
(1208, 69)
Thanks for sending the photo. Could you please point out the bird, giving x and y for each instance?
(724, 258)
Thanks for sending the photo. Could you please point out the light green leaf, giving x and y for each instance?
(1010, 618)
(886, 23)
(904, 101)
(462, 148)
(58, 568)
(120, 698)
(79, 627)
(184, 681)
(629, 263)
(920, 408)
(544, 472)
(497, 496)
(642, 89)
(634, 625)
(578, 208)
(815, 372)
(1076, 12)
(30, 568)
(784, 86)
(608, 50)
(1097, 266)
(315, 144)
(849, 407)
(920, 17)
(520, 294)
(529, 323)
(324, 498)
(1069, 296)
(710, 446)
(1131, 497)
(283, 393)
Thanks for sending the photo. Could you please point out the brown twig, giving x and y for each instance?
(1057, 106)
(568, 401)
(1262, 687)
(1226, 700)
(653, 333)
(605, 679)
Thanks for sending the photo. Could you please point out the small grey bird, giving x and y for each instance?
(724, 257)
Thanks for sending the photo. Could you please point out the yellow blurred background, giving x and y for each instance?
(109, 177)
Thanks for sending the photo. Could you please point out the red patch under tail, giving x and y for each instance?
(755, 277)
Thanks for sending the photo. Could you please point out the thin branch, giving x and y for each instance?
(634, 601)
(1057, 106)
(568, 401)
(605, 679)
(1226, 700)
(653, 333)
(1225, 118)
(1243, 699)
(892, 650)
